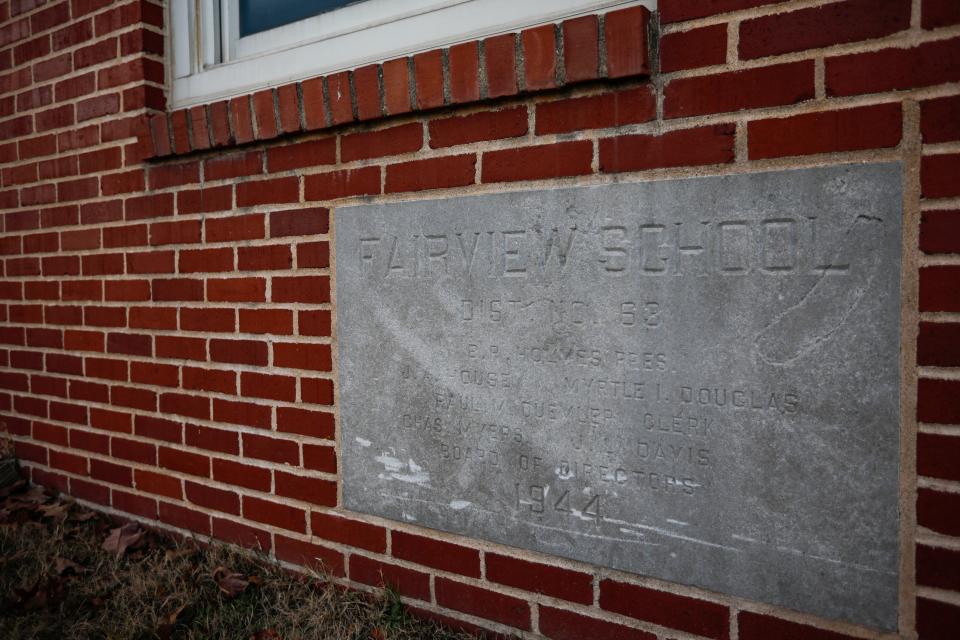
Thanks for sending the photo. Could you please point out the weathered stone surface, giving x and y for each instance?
(696, 380)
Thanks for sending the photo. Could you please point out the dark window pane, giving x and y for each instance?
(260, 15)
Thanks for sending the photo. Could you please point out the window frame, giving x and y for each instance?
(210, 61)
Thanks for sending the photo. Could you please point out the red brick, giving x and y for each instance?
(937, 401)
(177, 290)
(538, 162)
(438, 554)
(306, 289)
(68, 462)
(940, 119)
(679, 10)
(350, 532)
(270, 387)
(275, 514)
(110, 472)
(339, 98)
(936, 567)
(314, 323)
(567, 625)
(428, 77)
(182, 404)
(771, 86)
(939, 511)
(314, 113)
(130, 344)
(688, 147)
(596, 112)
(158, 429)
(101, 419)
(872, 127)
(477, 127)
(148, 206)
(940, 288)
(239, 352)
(266, 321)
(694, 616)
(938, 455)
(930, 63)
(181, 348)
(276, 191)
(153, 318)
(581, 49)
(261, 258)
(626, 36)
(204, 200)
(313, 255)
(938, 176)
(343, 184)
(209, 380)
(243, 413)
(212, 439)
(184, 462)
(288, 108)
(539, 57)
(212, 498)
(133, 450)
(837, 23)
(295, 355)
(90, 491)
(221, 167)
(51, 433)
(939, 13)
(241, 475)
(164, 375)
(366, 84)
(180, 232)
(319, 458)
(316, 391)
(185, 518)
(314, 490)
(464, 62)
(299, 222)
(206, 260)
(396, 86)
(174, 175)
(315, 424)
(756, 626)
(143, 399)
(937, 620)
(384, 142)
(236, 290)
(220, 123)
(241, 117)
(379, 574)
(432, 173)
(233, 228)
(693, 49)
(500, 63)
(265, 115)
(483, 603)
(137, 505)
(540, 578)
(241, 534)
(938, 344)
(309, 555)
(303, 154)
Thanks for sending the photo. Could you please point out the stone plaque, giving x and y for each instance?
(695, 380)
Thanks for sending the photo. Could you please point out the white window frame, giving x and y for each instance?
(210, 61)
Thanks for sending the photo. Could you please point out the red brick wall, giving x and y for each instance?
(166, 344)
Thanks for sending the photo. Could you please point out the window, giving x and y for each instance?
(230, 47)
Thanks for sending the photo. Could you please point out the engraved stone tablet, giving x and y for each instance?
(696, 380)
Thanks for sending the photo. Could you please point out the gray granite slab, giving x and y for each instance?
(695, 380)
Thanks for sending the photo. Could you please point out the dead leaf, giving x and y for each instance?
(266, 634)
(17, 486)
(83, 516)
(54, 510)
(64, 565)
(122, 538)
(231, 584)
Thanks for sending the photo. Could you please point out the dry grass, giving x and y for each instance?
(58, 582)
